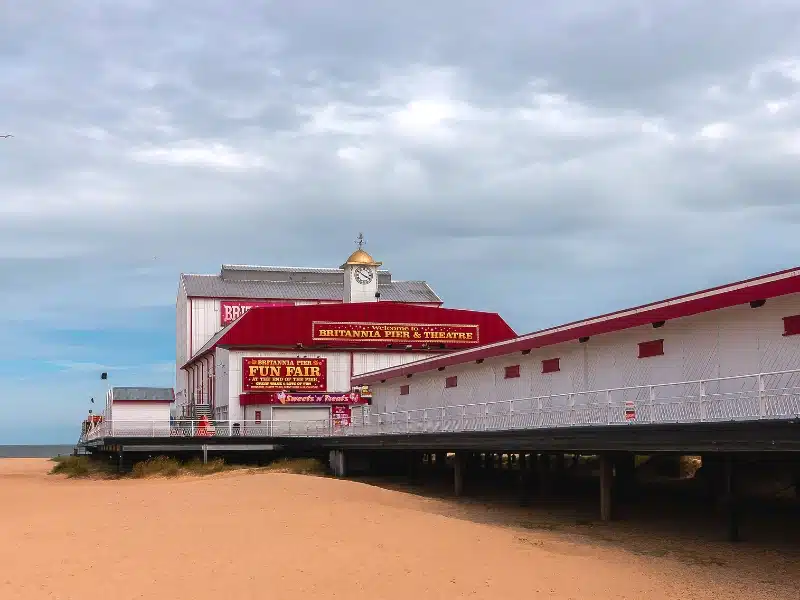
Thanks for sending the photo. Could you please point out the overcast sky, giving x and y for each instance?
(547, 160)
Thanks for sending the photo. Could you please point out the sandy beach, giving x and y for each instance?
(270, 535)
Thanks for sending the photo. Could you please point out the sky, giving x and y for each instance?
(547, 160)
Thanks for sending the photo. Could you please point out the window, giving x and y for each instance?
(404, 389)
(551, 365)
(451, 381)
(512, 371)
(258, 416)
(651, 348)
(791, 325)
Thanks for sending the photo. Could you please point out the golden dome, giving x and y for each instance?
(360, 257)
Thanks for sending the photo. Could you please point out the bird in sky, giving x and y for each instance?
(7, 135)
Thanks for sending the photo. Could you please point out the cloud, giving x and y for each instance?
(546, 160)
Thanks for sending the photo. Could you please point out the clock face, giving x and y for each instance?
(363, 275)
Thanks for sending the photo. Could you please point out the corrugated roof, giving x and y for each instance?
(273, 269)
(129, 394)
(213, 286)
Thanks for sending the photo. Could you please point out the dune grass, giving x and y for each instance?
(81, 466)
(164, 466)
(297, 466)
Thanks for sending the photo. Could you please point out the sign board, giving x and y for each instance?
(363, 390)
(279, 374)
(397, 333)
(349, 398)
(630, 411)
(341, 415)
(230, 310)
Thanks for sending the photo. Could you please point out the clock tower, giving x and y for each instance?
(360, 275)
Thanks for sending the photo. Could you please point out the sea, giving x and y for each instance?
(46, 451)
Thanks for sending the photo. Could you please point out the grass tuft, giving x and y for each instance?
(196, 467)
(297, 466)
(158, 466)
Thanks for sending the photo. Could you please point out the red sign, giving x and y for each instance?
(349, 398)
(397, 333)
(341, 415)
(277, 374)
(229, 311)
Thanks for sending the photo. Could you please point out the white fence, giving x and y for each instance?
(740, 398)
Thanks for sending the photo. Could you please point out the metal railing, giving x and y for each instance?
(774, 395)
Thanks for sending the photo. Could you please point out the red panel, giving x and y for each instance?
(512, 372)
(404, 390)
(451, 381)
(395, 333)
(290, 326)
(674, 308)
(273, 374)
(551, 365)
(651, 348)
(258, 416)
(341, 415)
(230, 310)
(791, 325)
(301, 398)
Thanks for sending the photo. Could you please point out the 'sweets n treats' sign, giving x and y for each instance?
(399, 333)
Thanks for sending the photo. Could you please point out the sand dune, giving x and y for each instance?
(241, 535)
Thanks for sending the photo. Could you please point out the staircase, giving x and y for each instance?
(199, 410)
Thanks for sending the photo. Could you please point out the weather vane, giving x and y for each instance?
(360, 240)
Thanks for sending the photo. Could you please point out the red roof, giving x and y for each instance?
(725, 296)
(287, 326)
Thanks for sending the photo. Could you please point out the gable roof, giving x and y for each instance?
(142, 394)
(296, 283)
(213, 286)
(764, 287)
(288, 326)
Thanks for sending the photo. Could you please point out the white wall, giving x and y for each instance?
(181, 346)
(734, 341)
(140, 411)
(364, 362)
(222, 381)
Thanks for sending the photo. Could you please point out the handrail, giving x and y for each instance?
(701, 404)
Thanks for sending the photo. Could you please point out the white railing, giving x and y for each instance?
(762, 396)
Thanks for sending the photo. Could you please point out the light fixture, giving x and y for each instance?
(583, 340)
(658, 324)
(757, 303)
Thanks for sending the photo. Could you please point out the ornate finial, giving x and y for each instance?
(360, 240)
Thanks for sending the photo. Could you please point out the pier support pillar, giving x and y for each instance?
(731, 499)
(338, 463)
(606, 486)
(460, 466)
(414, 465)
(524, 480)
(441, 461)
(625, 475)
(205, 454)
(544, 475)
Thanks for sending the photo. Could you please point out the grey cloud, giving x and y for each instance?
(273, 133)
